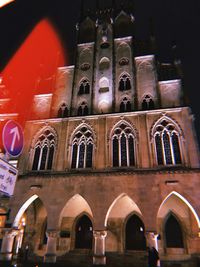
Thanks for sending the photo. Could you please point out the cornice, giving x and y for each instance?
(108, 172)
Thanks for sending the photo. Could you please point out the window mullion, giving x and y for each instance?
(163, 149)
(47, 157)
(39, 161)
(77, 159)
(119, 148)
(171, 148)
(85, 154)
(127, 152)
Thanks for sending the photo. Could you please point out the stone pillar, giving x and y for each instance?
(7, 244)
(50, 255)
(99, 247)
(152, 242)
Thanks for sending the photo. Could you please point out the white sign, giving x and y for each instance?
(8, 177)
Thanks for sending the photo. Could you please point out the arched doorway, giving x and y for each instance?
(134, 234)
(173, 233)
(84, 233)
(30, 220)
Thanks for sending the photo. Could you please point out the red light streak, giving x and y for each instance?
(32, 69)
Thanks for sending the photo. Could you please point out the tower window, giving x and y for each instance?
(83, 109)
(123, 61)
(123, 146)
(125, 105)
(104, 63)
(63, 111)
(82, 149)
(124, 83)
(44, 151)
(167, 144)
(85, 66)
(147, 103)
(84, 87)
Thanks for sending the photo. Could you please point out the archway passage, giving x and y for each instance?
(135, 238)
(84, 233)
(173, 233)
(31, 221)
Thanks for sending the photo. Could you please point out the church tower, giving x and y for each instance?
(110, 165)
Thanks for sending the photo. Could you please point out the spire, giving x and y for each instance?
(176, 59)
(82, 10)
(152, 40)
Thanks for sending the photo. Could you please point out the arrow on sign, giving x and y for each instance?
(13, 138)
(16, 135)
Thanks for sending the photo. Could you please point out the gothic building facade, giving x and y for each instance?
(110, 164)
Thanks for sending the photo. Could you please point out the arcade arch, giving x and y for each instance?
(76, 225)
(31, 224)
(177, 211)
(118, 218)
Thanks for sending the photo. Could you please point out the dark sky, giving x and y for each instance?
(174, 20)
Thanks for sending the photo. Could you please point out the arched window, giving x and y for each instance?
(123, 146)
(44, 151)
(173, 233)
(82, 149)
(135, 234)
(84, 87)
(124, 83)
(63, 111)
(104, 63)
(84, 233)
(167, 144)
(147, 103)
(125, 105)
(83, 110)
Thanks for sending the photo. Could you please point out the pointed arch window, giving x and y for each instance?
(125, 105)
(135, 234)
(44, 150)
(173, 233)
(83, 110)
(63, 111)
(123, 146)
(167, 144)
(124, 82)
(82, 149)
(84, 87)
(84, 233)
(147, 103)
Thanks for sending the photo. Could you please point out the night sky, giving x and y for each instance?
(175, 21)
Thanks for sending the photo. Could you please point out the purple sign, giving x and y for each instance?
(13, 139)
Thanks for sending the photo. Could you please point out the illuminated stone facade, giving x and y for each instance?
(111, 162)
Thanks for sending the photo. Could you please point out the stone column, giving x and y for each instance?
(50, 255)
(99, 247)
(7, 244)
(152, 242)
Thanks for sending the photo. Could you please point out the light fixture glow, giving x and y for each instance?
(5, 2)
